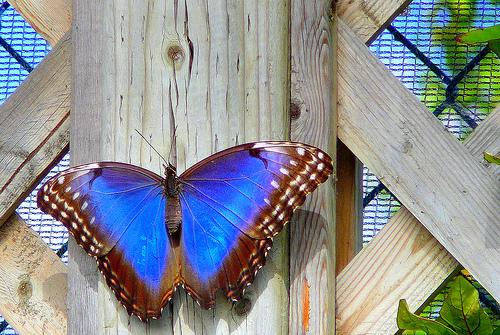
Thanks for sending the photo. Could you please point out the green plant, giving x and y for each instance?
(490, 35)
(461, 314)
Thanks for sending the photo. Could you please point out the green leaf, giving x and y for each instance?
(462, 311)
(496, 331)
(495, 46)
(479, 35)
(411, 322)
(490, 158)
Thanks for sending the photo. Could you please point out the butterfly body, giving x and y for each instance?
(208, 229)
(173, 211)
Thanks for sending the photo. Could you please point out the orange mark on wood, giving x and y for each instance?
(306, 306)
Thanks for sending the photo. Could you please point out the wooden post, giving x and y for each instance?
(215, 74)
(314, 121)
(120, 83)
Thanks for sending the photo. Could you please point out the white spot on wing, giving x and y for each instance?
(45, 188)
(274, 184)
(321, 155)
(46, 198)
(60, 180)
(53, 206)
(67, 189)
(284, 171)
(321, 166)
(301, 151)
(293, 163)
(85, 205)
(76, 195)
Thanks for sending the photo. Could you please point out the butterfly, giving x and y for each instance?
(208, 229)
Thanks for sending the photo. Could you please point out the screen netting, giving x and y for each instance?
(459, 84)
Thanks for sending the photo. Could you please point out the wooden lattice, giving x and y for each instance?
(296, 294)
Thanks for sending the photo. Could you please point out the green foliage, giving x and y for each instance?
(461, 314)
(490, 158)
(479, 91)
(491, 35)
(495, 46)
(480, 35)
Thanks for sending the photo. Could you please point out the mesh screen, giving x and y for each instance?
(459, 84)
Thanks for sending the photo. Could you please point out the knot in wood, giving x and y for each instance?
(243, 306)
(294, 110)
(175, 54)
(24, 289)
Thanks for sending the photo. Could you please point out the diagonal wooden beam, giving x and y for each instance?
(369, 18)
(33, 281)
(50, 18)
(34, 129)
(403, 261)
(34, 133)
(390, 130)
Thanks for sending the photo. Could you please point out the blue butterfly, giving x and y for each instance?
(209, 228)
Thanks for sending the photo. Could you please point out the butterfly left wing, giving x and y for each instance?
(233, 203)
(116, 212)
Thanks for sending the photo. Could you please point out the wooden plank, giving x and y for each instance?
(50, 18)
(218, 75)
(34, 127)
(313, 102)
(117, 76)
(33, 281)
(349, 225)
(403, 261)
(237, 92)
(424, 166)
(369, 18)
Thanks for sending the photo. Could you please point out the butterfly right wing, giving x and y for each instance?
(116, 212)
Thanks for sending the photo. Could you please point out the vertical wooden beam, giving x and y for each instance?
(233, 88)
(313, 111)
(215, 74)
(349, 225)
(121, 79)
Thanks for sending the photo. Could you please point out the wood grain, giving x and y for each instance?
(369, 18)
(34, 127)
(216, 75)
(312, 232)
(349, 211)
(33, 281)
(117, 76)
(364, 107)
(50, 18)
(235, 92)
(403, 261)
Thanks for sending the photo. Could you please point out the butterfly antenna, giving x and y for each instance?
(149, 143)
